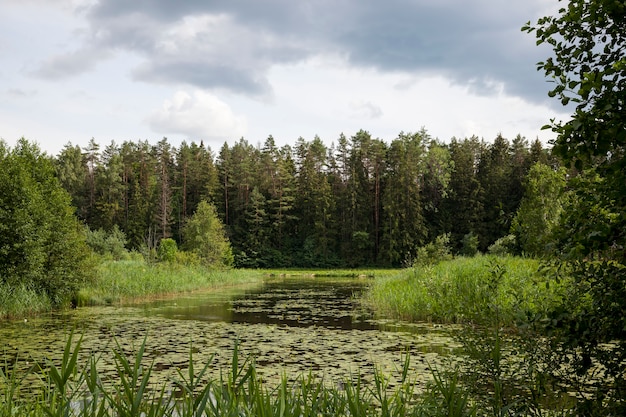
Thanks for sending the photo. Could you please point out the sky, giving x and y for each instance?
(217, 71)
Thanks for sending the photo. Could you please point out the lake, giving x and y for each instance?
(286, 325)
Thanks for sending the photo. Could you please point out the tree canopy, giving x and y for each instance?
(363, 201)
(42, 244)
(588, 67)
(204, 236)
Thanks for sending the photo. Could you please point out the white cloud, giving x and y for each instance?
(20, 93)
(199, 115)
(361, 109)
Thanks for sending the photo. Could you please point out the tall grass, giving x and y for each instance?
(19, 301)
(135, 279)
(461, 290)
(69, 388)
(332, 273)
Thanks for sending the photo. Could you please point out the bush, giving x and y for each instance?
(434, 252)
(187, 258)
(111, 245)
(168, 249)
(470, 244)
(506, 245)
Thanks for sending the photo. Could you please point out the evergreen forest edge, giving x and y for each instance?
(361, 203)
(573, 216)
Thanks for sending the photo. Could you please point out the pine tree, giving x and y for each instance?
(164, 205)
(464, 203)
(404, 223)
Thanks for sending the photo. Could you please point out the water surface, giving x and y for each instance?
(286, 325)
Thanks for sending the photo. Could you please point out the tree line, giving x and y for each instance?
(360, 201)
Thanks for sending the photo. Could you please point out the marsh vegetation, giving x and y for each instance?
(137, 221)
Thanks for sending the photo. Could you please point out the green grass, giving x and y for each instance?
(465, 290)
(124, 281)
(338, 273)
(21, 301)
(71, 386)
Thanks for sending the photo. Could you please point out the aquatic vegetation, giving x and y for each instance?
(19, 300)
(458, 291)
(71, 388)
(135, 279)
(291, 346)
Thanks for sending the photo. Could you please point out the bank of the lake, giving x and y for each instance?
(133, 280)
(465, 290)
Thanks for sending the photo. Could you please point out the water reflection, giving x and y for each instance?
(323, 302)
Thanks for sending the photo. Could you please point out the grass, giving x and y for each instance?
(125, 281)
(73, 386)
(21, 301)
(70, 388)
(463, 290)
(338, 273)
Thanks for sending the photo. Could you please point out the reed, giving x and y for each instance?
(461, 290)
(125, 281)
(20, 301)
(70, 388)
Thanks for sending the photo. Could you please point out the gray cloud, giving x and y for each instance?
(474, 43)
(70, 64)
(205, 75)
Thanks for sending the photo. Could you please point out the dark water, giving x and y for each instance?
(323, 302)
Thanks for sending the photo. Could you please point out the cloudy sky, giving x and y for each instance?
(215, 70)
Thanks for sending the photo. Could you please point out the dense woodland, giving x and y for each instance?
(361, 201)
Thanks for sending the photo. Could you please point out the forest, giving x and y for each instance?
(362, 201)
(359, 202)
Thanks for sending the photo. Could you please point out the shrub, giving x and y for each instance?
(506, 245)
(167, 251)
(470, 244)
(111, 245)
(434, 252)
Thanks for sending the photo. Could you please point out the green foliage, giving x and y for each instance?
(588, 69)
(204, 235)
(470, 244)
(110, 245)
(363, 202)
(403, 214)
(588, 40)
(167, 251)
(540, 210)
(506, 245)
(434, 252)
(459, 290)
(187, 259)
(42, 246)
